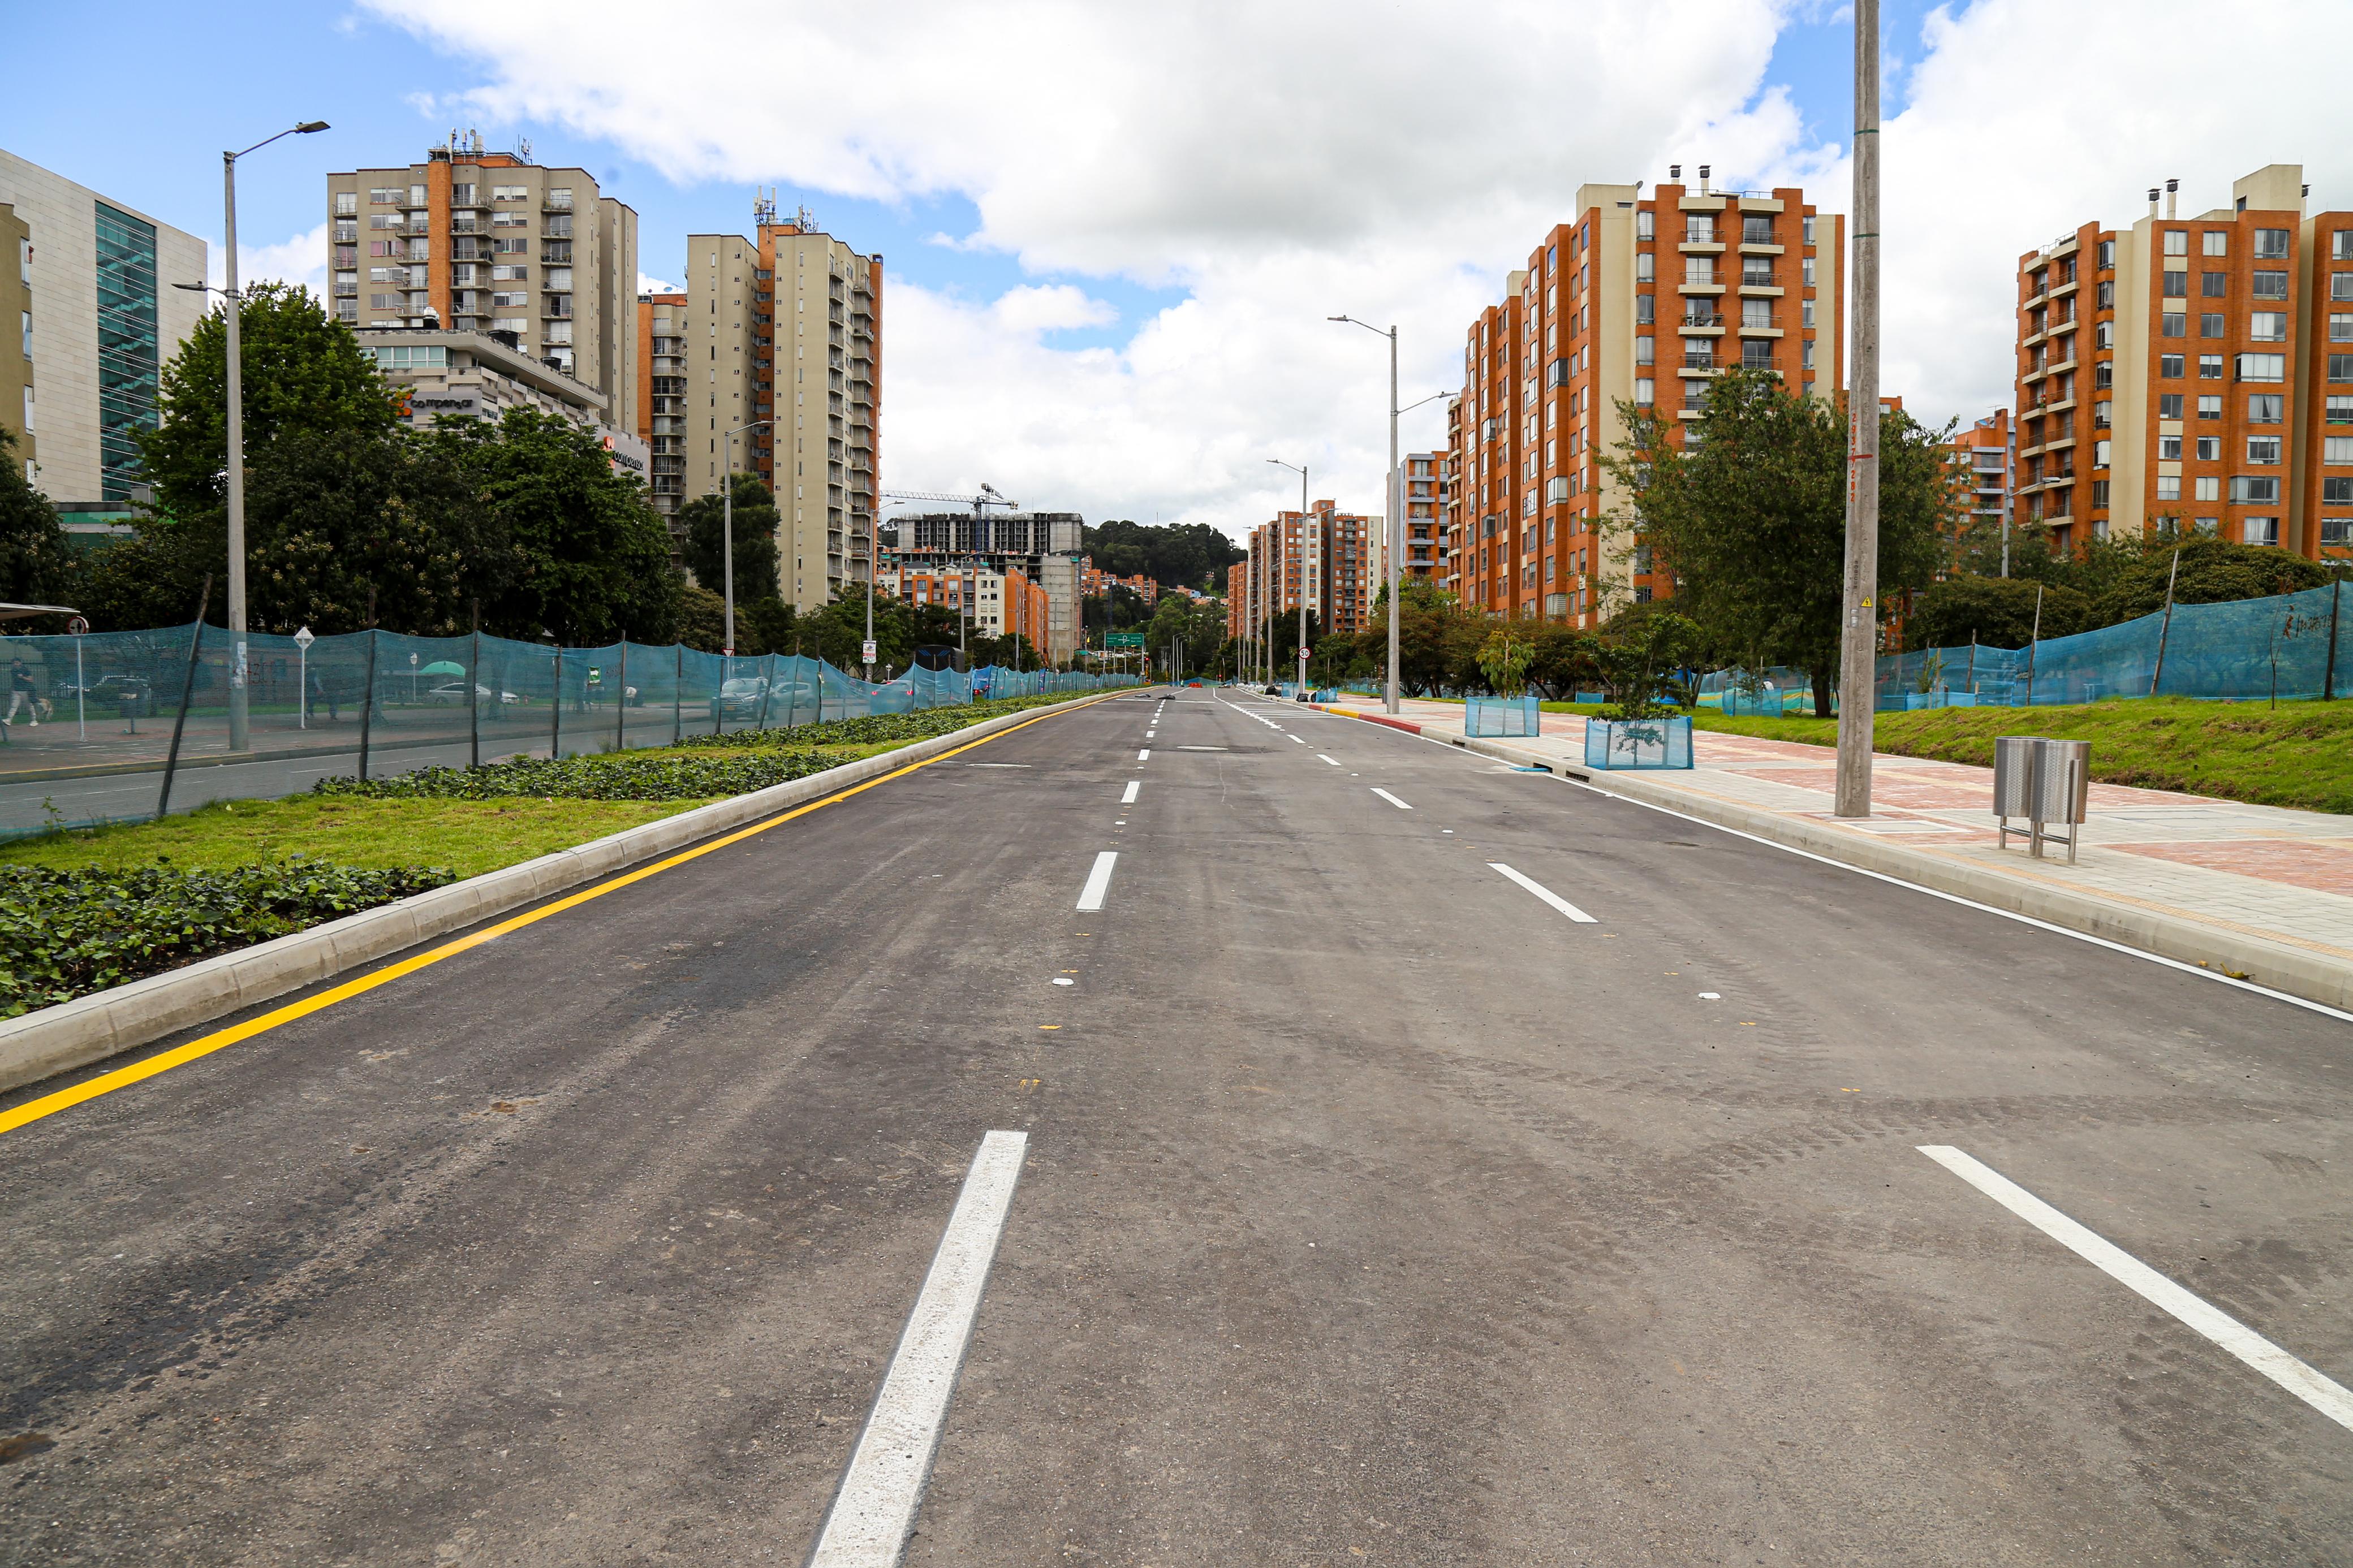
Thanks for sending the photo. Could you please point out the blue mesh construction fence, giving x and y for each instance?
(2247, 649)
(94, 723)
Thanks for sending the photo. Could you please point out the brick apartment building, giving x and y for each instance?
(1426, 479)
(1985, 454)
(786, 327)
(1719, 278)
(1093, 583)
(2189, 367)
(992, 603)
(1330, 556)
(661, 417)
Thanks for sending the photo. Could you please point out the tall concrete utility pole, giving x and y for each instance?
(1397, 508)
(1859, 637)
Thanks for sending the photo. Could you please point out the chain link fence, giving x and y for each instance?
(123, 726)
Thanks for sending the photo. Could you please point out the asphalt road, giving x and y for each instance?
(1374, 1210)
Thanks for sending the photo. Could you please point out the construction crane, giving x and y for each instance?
(986, 497)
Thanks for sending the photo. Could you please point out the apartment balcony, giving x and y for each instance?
(2059, 406)
(2059, 443)
(415, 226)
(2030, 339)
(555, 203)
(1760, 248)
(1700, 364)
(2062, 365)
(1766, 326)
(2039, 297)
(1701, 326)
(1757, 283)
(465, 226)
(555, 307)
(2061, 291)
(1710, 246)
(1689, 287)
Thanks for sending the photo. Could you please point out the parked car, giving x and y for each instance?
(739, 699)
(455, 692)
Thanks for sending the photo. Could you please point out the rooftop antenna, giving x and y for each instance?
(523, 148)
(763, 208)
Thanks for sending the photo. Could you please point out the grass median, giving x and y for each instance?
(84, 908)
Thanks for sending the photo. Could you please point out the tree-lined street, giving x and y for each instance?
(1427, 1162)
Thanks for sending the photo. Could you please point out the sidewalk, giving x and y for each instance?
(2259, 892)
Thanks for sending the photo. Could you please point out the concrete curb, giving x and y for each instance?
(2277, 965)
(105, 1023)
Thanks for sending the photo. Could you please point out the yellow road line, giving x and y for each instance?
(205, 1045)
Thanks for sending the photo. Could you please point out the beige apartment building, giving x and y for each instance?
(16, 410)
(96, 320)
(1427, 475)
(1642, 299)
(784, 328)
(477, 241)
(2198, 369)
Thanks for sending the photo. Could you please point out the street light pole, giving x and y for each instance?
(727, 530)
(1859, 637)
(241, 734)
(1397, 510)
(1302, 471)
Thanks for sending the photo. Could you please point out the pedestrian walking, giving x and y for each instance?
(321, 692)
(23, 692)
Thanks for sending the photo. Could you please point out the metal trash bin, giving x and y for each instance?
(2045, 782)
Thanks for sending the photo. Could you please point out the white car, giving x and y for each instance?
(455, 692)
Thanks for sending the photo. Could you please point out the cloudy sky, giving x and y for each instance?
(1114, 232)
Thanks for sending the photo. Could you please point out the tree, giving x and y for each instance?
(304, 372)
(756, 557)
(591, 557)
(1998, 612)
(35, 565)
(1175, 555)
(1750, 515)
(1199, 626)
(1563, 661)
(1505, 658)
(2213, 572)
(1639, 661)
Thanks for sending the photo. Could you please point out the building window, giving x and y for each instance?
(2176, 284)
(2273, 285)
(2216, 284)
(2104, 295)
(2099, 453)
(2337, 491)
(2209, 486)
(1646, 310)
(2260, 530)
(2340, 247)
(2168, 486)
(2210, 367)
(347, 204)
(127, 357)
(2335, 450)
(2210, 449)
(2337, 532)
(2267, 408)
(1645, 390)
(2174, 324)
(2169, 449)
(1645, 225)
(2248, 488)
(2210, 406)
(1645, 267)
(2210, 324)
(2104, 335)
(2177, 242)
(2263, 451)
(1805, 272)
(2263, 367)
(2168, 405)
(2100, 493)
(2271, 244)
(2339, 410)
(2268, 326)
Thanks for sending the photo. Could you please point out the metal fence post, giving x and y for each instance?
(2328, 676)
(367, 703)
(678, 695)
(767, 684)
(556, 709)
(2163, 627)
(474, 695)
(187, 686)
(621, 700)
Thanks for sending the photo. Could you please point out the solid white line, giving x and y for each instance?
(1546, 894)
(867, 1526)
(1296, 738)
(1321, 757)
(1132, 785)
(1392, 800)
(1090, 897)
(1145, 755)
(2322, 1393)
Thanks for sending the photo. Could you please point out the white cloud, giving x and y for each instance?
(648, 284)
(1991, 158)
(1280, 163)
(300, 258)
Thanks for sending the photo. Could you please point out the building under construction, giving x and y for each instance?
(1043, 546)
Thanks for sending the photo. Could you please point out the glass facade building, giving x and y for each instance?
(128, 359)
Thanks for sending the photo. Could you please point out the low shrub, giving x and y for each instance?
(609, 775)
(65, 932)
(877, 728)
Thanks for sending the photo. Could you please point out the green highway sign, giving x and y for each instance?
(1123, 639)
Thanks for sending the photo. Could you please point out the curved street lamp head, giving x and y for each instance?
(308, 126)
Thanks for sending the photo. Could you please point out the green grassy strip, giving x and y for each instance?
(2299, 754)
